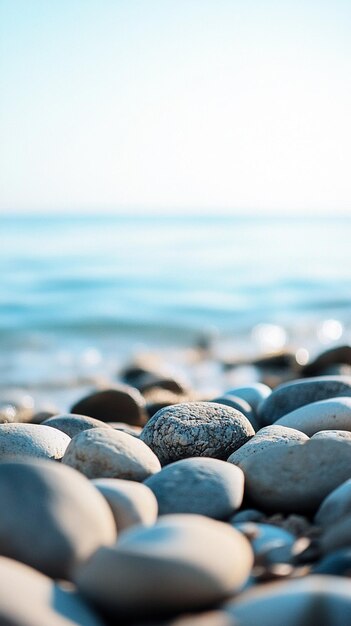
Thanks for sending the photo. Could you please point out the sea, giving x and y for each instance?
(82, 294)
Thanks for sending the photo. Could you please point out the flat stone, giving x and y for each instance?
(120, 403)
(109, 453)
(196, 429)
(312, 600)
(72, 424)
(22, 440)
(335, 506)
(330, 414)
(28, 598)
(264, 438)
(297, 478)
(290, 396)
(199, 485)
(53, 518)
(182, 563)
(131, 502)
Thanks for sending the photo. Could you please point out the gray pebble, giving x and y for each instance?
(290, 396)
(72, 424)
(264, 438)
(330, 414)
(199, 485)
(297, 478)
(22, 440)
(196, 429)
(109, 453)
(53, 518)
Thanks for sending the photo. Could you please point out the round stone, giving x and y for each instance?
(28, 598)
(53, 518)
(72, 424)
(121, 403)
(22, 440)
(131, 502)
(199, 485)
(182, 563)
(196, 429)
(322, 600)
(290, 396)
(297, 478)
(109, 453)
(265, 438)
(330, 414)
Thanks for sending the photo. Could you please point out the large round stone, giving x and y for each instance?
(199, 485)
(290, 396)
(322, 600)
(109, 453)
(72, 424)
(28, 598)
(120, 403)
(181, 563)
(296, 479)
(51, 516)
(196, 429)
(330, 414)
(264, 438)
(131, 502)
(21, 440)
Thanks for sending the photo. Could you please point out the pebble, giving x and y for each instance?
(182, 563)
(254, 394)
(120, 403)
(196, 429)
(335, 506)
(270, 543)
(28, 598)
(53, 518)
(265, 438)
(109, 453)
(290, 396)
(23, 440)
(296, 478)
(330, 414)
(333, 356)
(247, 515)
(312, 600)
(72, 424)
(131, 502)
(199, 485)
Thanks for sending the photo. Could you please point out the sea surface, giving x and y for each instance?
(76, 291)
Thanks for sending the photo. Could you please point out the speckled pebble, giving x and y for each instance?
(196, 429)
(22, 440)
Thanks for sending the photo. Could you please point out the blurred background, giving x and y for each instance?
(174, 176)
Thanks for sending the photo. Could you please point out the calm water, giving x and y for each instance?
(80, 285)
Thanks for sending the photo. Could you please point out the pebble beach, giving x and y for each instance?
(151, 502)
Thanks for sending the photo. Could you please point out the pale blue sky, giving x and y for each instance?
(175, 105)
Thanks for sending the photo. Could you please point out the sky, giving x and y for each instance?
(165, 106)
